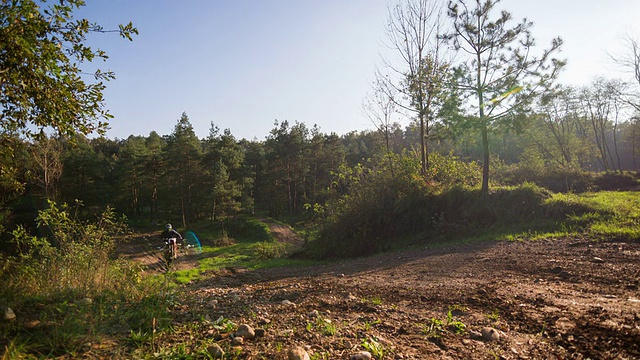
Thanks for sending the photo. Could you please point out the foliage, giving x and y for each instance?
(499, 71)
(74, 257)
(69, 282)
(42, 84)
(379, 207)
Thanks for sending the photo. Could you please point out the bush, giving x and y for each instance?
(70, 282)
(384, 203)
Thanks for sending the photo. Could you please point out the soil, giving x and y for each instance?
(568, 298)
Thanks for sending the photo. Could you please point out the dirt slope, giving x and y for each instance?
(568, 298)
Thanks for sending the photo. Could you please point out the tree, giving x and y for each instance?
(379, 107)
(602, 106)
(184, 154)
(630, 62)
(413, 30)
(42, 84)
(498, 69)
(46, 153)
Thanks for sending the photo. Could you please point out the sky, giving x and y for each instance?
(245, 64)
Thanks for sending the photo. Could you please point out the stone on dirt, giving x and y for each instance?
(475, 335)
(298, 353)
(216, 351)
(288, 303)
(490, 334)
(246, 332)
(597, 260)
(362, 355)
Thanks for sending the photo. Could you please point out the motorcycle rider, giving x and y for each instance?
(171, 235)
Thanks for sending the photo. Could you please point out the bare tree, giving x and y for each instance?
(629, 61)
(413, 31)
(46, 153)
(380, 107)
(602, 107)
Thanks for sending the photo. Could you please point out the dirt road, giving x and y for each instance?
(568, 298)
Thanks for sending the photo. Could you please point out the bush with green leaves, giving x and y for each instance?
(70, 281)
(384, 202)
(75, 255)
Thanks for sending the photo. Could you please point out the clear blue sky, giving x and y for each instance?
(242, 64)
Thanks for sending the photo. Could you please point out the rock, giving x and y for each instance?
(215, 351)
(86, 301)
(314, 314)
(475, 335)
(260, 333)
(30, 325)
(351, 297)
(263, 321)
(298, 353)
(597, 260)
(7, 314)
(288, 303)
(238, 340)
(246, 332)
(362, 355)
(490, 334)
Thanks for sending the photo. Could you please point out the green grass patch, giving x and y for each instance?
(253, 247)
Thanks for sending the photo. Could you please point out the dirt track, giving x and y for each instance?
(566, 298)
(560, 299)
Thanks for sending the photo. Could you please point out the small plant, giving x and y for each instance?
(494, 316)
(376, 300)
(268, 250)
(324, 326)
(375, 348)
(369, 324)
(456, 326)
(139, 338)
(225, 325)
(435, 328)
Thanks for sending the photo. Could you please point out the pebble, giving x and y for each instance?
(490, 334)
(288, 303)
(216, 351)
(362, 355)
(246, 332)
(298, 353)
(597, 260)
(8, 314)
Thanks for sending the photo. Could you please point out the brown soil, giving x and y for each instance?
(557, 299)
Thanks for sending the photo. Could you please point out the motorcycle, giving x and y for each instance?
(171, 250)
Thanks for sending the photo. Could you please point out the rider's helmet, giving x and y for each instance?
(168, 226)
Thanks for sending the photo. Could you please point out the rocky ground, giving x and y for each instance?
(558, 299)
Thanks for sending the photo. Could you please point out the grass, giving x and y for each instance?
(254, 247)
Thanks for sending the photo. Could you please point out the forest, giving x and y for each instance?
(486, 144)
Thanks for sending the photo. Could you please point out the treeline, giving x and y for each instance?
(182, 178)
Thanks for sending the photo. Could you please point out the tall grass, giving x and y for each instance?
(69, 286)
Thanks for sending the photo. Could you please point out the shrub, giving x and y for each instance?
(385, 202)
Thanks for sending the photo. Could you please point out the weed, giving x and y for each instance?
(225, 325)
(324, 326)
(494, 316)
(375, 348)
(320, 356)
(369, 324)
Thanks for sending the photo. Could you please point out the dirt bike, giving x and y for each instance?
(170, 250)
